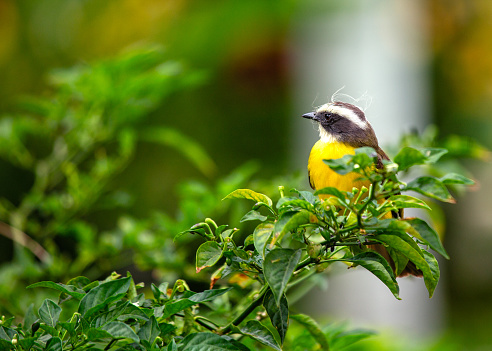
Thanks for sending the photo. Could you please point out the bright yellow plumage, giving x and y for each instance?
(321, 176)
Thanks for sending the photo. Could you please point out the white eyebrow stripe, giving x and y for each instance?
(345, 112)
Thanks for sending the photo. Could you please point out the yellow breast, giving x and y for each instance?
(322, 176)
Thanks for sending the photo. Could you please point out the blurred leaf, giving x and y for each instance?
(278, 267)
(454, 178)
(313, 328)
(331, 191)
(253, 216)
(408, 157)
(407, 201)
(193, 151)
(67, 289)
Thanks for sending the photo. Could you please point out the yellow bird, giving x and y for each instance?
(343, 128)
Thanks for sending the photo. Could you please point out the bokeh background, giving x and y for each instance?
(261, 65)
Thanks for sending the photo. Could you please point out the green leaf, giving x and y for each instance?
(408, 157)
(257, 331)
(49, 312)
(433, 154)
(250, 195)
(94, 334)
(174, 307)
(454, 178)
(102, 295)
(344, 339)
(119, 330)
(253, 216)
(404, 244)
(305, 195)
(297, 203)
(278, 267)
(30, 317)
(377, 265)
(193, 151)
(342, 165)
(331, 191)
(313, 328)
(289, 222)
(206, 342)
(67, 289)
(208, 254)
(434, 266)
(208, 295)
(431, 187)
(407, 201)
(261, 235)
(428, 235)
(279, 315)
(54, 344)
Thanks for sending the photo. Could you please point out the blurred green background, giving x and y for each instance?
(233, 85)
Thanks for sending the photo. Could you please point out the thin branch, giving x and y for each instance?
(25, 240)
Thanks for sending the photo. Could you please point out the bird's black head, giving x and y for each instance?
(343, 122)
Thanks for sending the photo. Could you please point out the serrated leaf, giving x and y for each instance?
(428, 235)
(206, 342)
(257, 331)
(377, 265)
(455, 178)
(313, 328)
(49, 312)
(407, 201)
(431, 187)
(278, 267)
(250, 195)
(208, 254)
(279, 315)
(261, 235)
(102, 295)
(253, 216)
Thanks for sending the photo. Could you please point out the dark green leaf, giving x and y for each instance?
(149, 331)
(208, 295)
(261, 235)
(306, 195)
(25, 343)
(207, 342)
(279, 315)
(119, 330)
(313, 328)
(54, 344)
(406, 246)
(30, 317)
(377, 265)
(431, 187)
(278, 267)
(49, 312)
(208, 254)
(102, 295)
(434, 266)
(94, 334)
(257, 331)
(253, 216)
(250, 195)
(428, 235)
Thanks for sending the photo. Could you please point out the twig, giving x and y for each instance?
(24, 240)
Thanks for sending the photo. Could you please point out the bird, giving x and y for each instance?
(343, 127)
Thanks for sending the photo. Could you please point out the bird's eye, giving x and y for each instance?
(328, 115)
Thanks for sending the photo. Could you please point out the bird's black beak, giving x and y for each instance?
(310, 115)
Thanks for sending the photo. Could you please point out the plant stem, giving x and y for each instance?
(255, 303)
